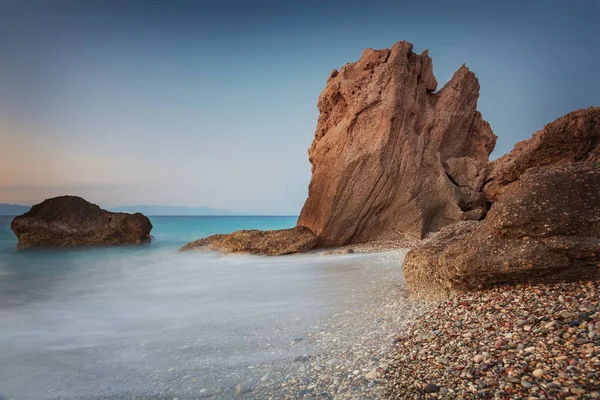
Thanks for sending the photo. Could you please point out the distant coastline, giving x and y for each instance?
(172, 211)
(13, 209)
(7, 210)
(154, 211)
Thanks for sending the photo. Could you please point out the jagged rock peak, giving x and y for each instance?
(392, 158)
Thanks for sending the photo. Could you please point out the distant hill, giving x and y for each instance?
(173, 210)
(13, 209)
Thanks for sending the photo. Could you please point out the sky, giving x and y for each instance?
(213, 103)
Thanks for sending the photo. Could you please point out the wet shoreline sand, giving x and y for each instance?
(348, 354)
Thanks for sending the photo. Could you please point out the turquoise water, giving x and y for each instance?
(149, 322)
(168, 233)
(171, 232)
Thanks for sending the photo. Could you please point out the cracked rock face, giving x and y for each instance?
(574, 137)
(392, 158)
(70, 221)
(545, 228)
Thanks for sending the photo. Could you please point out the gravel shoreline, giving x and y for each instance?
(523, 342)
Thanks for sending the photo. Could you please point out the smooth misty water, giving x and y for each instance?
(147, 321)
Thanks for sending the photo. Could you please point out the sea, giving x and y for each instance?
(137, 322)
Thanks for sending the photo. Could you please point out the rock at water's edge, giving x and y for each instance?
(70, 221)
(390, 157)
(271, 243)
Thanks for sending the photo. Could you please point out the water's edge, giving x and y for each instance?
(149, 322)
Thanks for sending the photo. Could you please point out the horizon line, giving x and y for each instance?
(200, 215)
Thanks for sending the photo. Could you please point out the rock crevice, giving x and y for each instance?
(543, 224)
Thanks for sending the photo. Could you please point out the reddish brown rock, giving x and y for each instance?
(202, 243)
(70, 221)
(271, 243)
(390, 157)
(545, 228)
(571, 138)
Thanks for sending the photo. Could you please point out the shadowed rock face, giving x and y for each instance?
(544, 228)
(574, 137)
(70, 221)
(390, 157)
(271, 243)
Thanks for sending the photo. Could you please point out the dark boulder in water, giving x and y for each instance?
(270, 243)
(70, 221)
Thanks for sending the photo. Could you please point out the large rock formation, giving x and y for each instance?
(271, 243)
(545, 227)
(70, 221)
(392, 158)
(571, 138)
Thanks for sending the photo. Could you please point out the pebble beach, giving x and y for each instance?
(522, 342)
(525, 342)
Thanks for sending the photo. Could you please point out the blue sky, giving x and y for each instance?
(213, 103)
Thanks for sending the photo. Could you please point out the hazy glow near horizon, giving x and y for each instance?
(214, 103)
(44, 169)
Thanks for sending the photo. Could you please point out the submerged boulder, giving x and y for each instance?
(271, 243)
(392, 158)
(70, 221)
(574, 137)
(544, 228)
